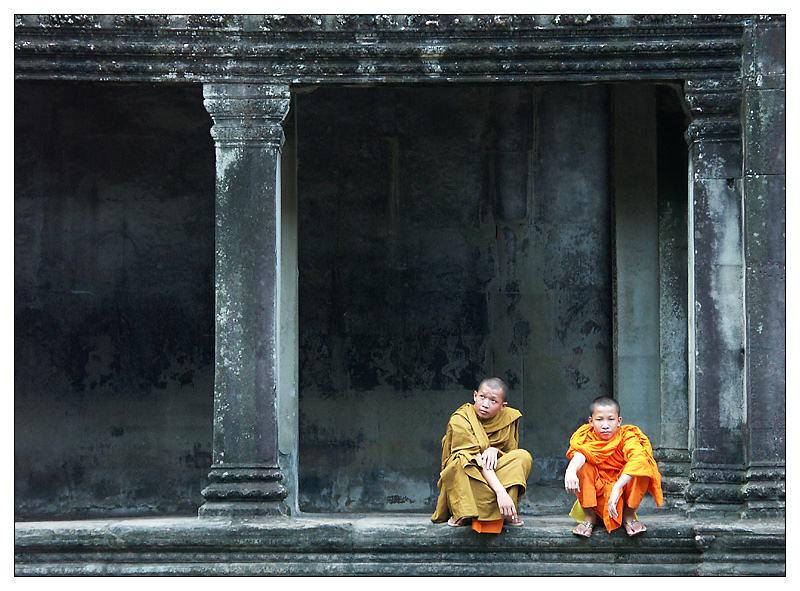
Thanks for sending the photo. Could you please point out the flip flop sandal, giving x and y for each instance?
(629, 524)
(464, 521)
(516, 523)
(587, 529)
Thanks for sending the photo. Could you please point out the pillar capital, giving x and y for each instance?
(247, 114)
(714, 107)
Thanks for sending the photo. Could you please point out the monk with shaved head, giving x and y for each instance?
(611, 467)
(483, 470)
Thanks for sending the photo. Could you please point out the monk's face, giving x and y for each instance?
(606, 421)
(489, 402)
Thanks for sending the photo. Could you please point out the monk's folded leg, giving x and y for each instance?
(633, 492)
(587, 476)
(515, 492)
(513, 468)
(485, 500)
(457, 493)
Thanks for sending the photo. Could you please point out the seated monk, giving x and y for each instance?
(483, 470)
(611, 467)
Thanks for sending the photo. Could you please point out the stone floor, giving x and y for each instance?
(395, 545)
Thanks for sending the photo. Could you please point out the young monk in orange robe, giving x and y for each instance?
(483, 470)
(611, 467)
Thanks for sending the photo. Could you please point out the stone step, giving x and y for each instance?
(395, 545)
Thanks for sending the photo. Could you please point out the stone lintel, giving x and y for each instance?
(310, 49)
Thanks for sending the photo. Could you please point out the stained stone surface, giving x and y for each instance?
(113, 301)
(426, 264)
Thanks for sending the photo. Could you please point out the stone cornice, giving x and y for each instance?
(309, 49)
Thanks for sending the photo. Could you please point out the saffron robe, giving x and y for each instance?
(463, 491)
(628, 452)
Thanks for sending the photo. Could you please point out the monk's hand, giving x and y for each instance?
(489, 458)
(571, 482)
(507, 508)
(613, 499)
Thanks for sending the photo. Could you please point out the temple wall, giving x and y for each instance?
(444, 234)
(114, 299)
(447, 234)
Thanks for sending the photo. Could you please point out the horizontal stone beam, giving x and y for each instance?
(300, 49)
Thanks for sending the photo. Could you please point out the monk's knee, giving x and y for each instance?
(634, 491)
(525, 457)
(588, 471)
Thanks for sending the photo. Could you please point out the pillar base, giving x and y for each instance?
(242, 509)
(715, 489)
(244, 492)
(764, 493)
(673, 464)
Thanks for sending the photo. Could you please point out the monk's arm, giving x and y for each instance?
(571, 476)
(504, 501)
(616, 491)
(489, 458)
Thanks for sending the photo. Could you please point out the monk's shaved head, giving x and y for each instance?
(495, 384)
(603, 401)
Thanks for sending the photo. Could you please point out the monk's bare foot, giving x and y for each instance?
(634, 527)
(584, 529)
(460, 523)
(514, 521)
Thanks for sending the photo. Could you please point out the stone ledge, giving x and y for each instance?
(395, 545)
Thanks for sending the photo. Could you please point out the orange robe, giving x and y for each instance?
(628, 452)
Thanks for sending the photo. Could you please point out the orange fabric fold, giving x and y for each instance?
(628, 452)
(495, 526)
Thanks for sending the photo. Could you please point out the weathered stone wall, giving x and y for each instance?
(765, 262)
(447, 233)
(114, 317)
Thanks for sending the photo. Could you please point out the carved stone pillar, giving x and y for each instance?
(716, 297)
(765, 260)
(245, 478)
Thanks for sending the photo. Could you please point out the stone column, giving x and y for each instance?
(765, 255)
(245, 478)
(716, 297)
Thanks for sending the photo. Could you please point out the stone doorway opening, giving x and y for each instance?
(536, 232)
